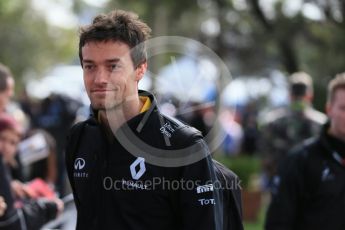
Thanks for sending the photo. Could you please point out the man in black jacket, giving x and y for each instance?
(310, 189)
(131, 167)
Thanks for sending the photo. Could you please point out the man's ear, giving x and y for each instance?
(140, 71)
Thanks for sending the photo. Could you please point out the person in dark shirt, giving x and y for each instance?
(130, 166)
(283, 128)
(309, 191)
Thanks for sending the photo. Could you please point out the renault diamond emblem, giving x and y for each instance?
(141, 162)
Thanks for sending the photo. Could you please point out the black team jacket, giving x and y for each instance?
(118, 184)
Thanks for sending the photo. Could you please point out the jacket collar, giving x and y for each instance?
(329, 148)
(93, 113)
(137, 122)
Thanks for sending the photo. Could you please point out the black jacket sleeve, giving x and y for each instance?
(198, 208)
(283, 211)
(72, 143)
(203, 202)
(39, 212)
(229, 183)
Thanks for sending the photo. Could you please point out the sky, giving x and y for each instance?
(59, 12)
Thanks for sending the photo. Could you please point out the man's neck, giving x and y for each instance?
(299, 105)
(335, 134)
(117, 116)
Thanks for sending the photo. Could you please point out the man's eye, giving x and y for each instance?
(88, 67)
(114, 67)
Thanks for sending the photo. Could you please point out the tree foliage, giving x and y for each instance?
(27, 43)
(250, 40)
(289, 42)
(314, 45)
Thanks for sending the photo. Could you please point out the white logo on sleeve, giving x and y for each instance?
(137, 174)
(327, 174)
(207, 202)
(79, 163)
(204, 188)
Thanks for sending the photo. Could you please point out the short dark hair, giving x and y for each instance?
(5, 73)
(335, 84)
(118, 25)
(300, 84)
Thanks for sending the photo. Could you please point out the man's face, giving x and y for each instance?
(336, 113)
(6, 95)
(9, 140)
(109, 75)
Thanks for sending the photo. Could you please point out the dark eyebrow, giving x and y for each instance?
(113, 60)
(107, 61)
(87, 61)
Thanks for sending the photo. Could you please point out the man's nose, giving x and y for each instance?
(101, 76)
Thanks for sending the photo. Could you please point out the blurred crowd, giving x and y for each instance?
(33, 134)
(32, 137)
(267, 134)
(301, 151)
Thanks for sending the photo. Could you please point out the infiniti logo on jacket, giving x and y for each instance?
(79, 164)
